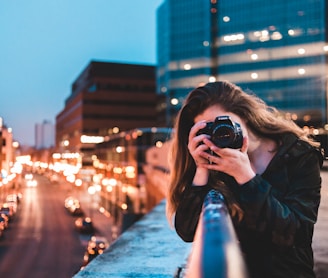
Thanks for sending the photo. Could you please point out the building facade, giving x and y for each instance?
(44, 135)
(6, 150)
(277, 49)
(106, 98)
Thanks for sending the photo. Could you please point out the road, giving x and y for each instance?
(41, 241)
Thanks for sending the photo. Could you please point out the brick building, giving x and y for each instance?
(106, 98)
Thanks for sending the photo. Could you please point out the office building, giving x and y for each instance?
(44, 135)
(106, 98)
(277, 49)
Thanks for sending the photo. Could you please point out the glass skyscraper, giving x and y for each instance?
(276, 49)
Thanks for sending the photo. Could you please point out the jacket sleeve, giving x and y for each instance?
(291, 212)
(188, 211)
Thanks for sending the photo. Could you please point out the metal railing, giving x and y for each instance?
(215, 250)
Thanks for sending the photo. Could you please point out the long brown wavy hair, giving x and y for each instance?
(260, 119)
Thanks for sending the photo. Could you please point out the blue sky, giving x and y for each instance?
(44, 46)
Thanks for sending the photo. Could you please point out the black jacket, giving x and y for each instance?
(280, 209)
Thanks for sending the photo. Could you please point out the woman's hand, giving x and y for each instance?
(199, 152)
(234, 162)
(196, 146)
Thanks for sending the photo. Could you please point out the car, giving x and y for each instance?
(7, 210)
(73, 206)
(76, 211)
(28, 176)
(4, 221)
(96, 246)
(54, 178)
(13, 198)
(68, 201)
(31, 183)
(2, 224)
(84, 225)
(71, 201)
(12, 205)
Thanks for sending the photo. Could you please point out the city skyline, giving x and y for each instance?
(47, 45)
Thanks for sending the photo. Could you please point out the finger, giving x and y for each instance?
(210, 144)
(211, 159)
(215, 149)
(195, 128)
(195, 145)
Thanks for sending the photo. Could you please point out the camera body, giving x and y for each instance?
(224, 132)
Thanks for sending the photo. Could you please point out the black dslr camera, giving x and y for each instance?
(224, 132)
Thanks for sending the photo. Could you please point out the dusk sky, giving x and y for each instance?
(45, 45)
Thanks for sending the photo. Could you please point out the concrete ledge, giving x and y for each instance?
(150, 248)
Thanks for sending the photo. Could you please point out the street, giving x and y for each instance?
(41, 241)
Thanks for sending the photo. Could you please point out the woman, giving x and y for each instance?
(271, 182)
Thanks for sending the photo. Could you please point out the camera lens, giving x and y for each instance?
(223, 136)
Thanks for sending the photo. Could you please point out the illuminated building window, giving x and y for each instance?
(254, 56)
(206, 43)
(212, 79)
(276, 36)
(174, 101)
(186, 66)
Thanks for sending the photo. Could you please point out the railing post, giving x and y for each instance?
(215, 251)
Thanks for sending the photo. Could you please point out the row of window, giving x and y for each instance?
(120, 87)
